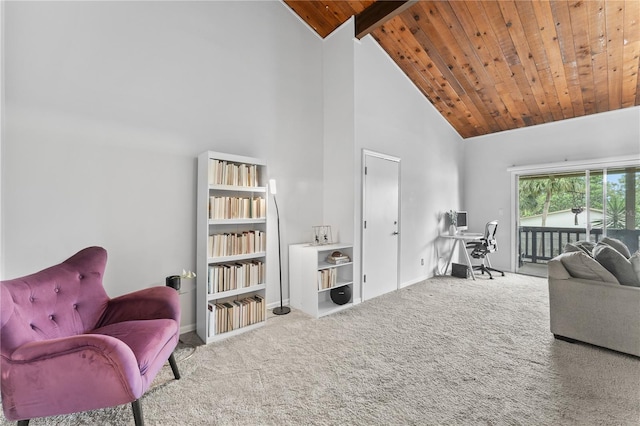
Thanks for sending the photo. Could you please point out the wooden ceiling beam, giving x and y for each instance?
(378, 13)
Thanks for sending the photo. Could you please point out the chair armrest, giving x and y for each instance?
(70, 374)
(114, 354)
(149, 303)
(45, 349)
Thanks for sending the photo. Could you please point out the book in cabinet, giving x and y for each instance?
(231, 245)
(312, 277)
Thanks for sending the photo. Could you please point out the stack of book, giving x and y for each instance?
(226, 173)
(338, 258)
(228, 316)
(246, 242)
(327, 278)
(237, 208)
(228, 277)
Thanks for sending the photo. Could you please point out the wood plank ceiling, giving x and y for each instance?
(496, 65)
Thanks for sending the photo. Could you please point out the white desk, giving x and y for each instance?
(460, 240)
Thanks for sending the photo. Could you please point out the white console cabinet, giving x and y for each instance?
(312, 278)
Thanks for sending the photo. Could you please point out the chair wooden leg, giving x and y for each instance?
(174, 367)
(23, 422)
(138, 419)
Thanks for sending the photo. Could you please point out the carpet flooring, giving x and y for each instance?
(446, 351)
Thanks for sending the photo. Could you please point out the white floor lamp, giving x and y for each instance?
(279, 310)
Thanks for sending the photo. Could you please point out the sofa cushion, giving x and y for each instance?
(581, 265)
(585, 246)
(618, 245)
(616, 263)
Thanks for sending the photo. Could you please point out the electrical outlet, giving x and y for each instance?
(422, 262)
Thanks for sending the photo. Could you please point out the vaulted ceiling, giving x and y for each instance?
(495, 65)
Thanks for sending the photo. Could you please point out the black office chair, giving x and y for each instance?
(481, 249)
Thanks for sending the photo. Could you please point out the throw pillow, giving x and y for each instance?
(635, 262)
(618, 245)
(570, 247)
(587, 246)
(617, 264)
(581, 265)
(584, 246)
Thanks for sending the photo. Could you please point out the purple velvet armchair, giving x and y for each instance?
(66, 347)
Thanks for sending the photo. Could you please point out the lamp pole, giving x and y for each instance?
(279, 310)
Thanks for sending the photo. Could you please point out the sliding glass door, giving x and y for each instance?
(615, 195)
(562, 207)
(551, 213)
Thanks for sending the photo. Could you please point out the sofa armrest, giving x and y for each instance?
(557, 270)
(149, 303)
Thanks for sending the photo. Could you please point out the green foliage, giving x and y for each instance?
(544, 194)
(540, 195)
(615, 217)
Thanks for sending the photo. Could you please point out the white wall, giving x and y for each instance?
(394, 118)
(487, 183)
(371, 104)
(109, 103)
(339, 132)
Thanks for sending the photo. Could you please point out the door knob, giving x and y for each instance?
(395, 233)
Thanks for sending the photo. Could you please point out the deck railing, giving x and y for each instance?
(540, 244)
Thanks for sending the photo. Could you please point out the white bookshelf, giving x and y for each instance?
(306, 261)
(228, 281)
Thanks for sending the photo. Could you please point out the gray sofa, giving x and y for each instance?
(589, 303)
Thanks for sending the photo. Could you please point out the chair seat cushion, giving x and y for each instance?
(146, 338)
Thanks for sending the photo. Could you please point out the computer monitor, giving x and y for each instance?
(463, 224)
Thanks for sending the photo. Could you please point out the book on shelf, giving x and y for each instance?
(234, 244)
(338, 258)
(232, 315)
(227, 173)
(327, 278)
(233, 276)
(237, 207)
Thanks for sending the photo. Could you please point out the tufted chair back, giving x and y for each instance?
(64, 300)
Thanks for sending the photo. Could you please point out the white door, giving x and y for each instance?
(380, 224)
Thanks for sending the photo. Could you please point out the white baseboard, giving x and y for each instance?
(187, 328)
(285, 302)
(414, 281)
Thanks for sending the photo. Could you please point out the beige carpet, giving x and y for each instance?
(446, 351)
